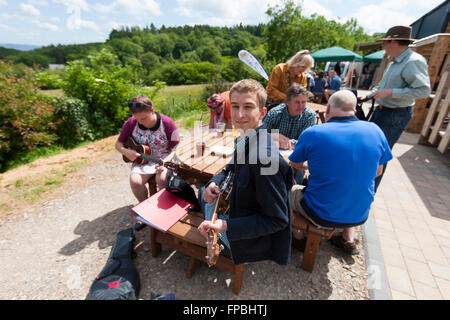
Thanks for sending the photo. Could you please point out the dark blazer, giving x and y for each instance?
(259, 224)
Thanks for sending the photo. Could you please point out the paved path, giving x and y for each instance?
(412, 217)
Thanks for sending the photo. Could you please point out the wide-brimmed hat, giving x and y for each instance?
(398, 33)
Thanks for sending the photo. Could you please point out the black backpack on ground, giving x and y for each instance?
(119, 279)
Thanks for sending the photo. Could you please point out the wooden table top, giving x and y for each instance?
(210, 164)
(317, 107)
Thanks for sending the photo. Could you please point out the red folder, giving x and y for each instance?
(162, 210)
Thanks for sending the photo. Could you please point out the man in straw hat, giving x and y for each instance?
(404, 80)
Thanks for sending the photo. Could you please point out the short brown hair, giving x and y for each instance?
(251, 85)
(140, 103)
(295, 90)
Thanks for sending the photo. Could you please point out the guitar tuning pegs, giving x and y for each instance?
(221, 247)
(219, 235)
(207, 257)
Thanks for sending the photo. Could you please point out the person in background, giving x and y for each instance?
(340, 190)
(404, 80)
(291, 118)
(285, 74)
(319, 87)
(334, 84)
(337, 68)
(147, 127)
(311, 75)
(220, 109)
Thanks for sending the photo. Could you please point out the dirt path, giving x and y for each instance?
(54, 246)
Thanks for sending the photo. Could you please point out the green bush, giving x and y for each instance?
(73, 125)
(26, 117)
(48, 80)
(217, 86)
(186, 73)
(104, 87)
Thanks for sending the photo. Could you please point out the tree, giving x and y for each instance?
(150, 60)
(209, 54)
(125, 48)
(283, 34)
(289, 32)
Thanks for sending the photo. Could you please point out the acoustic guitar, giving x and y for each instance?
(144, 151)
(221, 205)
(145, 156)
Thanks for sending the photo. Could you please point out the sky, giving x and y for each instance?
(45, 22)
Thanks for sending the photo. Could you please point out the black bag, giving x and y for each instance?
(183, 190)
(119, 279)
(359, 110)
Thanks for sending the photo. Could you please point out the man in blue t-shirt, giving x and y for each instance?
(334, 84)
(343, 156)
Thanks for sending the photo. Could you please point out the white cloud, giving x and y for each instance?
(47, 26)
(3, 3)
(39, 2)
(29, 9)
(132, 7)
(55, 19)
(76, 23)
(6, 28)
(382, 16)
(311, 6)
(73, 4)
(219, 12)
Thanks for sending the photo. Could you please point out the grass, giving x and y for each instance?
(181, 101)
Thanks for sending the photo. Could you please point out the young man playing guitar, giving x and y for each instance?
(258, 224)
(158, 135)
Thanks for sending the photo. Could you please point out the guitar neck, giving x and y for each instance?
(224, 193)
(151, 159)
(216, 210)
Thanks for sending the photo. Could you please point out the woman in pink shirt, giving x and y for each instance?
(220, 109)
(148, 127)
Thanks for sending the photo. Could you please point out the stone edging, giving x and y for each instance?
(377, 281)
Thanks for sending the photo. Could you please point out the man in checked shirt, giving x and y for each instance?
(290, 119)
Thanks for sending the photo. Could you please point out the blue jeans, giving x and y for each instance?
(299, 176)
(208, 209)
(392, 123)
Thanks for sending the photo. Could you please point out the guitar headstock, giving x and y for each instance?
(212, 248)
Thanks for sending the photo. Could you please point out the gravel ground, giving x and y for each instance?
(55, 250)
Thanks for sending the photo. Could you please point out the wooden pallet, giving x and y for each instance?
(436, 49)
(433, 131)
